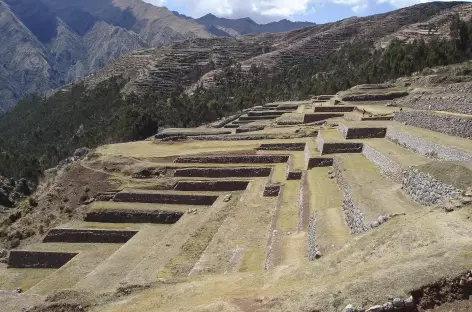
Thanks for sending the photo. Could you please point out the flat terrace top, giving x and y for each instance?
(363, 124)
(397, 153)
(111, 226)
(333, 135)
(455, 173)
(149, 149)
(168, 192)
(199, 130)
(466, 116)
(71, 247)
(375, 194)
(375, 107)
(437, 137)
(138, 206)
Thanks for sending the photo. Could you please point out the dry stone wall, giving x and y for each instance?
(303, 203)
(388, 167)
(313, 251)
(448, 124)
(38, 259)
(245, 172)
(88, 236)
(164, 198)
(133, 216)
(426, 190)
(354, 217)
(448, 102)
(426, 147)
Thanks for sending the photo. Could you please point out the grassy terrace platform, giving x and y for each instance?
(437, 137)
(291, 247)
(398, 154)
(374, 194)
(88, 258)
(101, 205)
(326, 201)
(240, 243)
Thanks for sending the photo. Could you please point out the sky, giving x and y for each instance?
(264, 11)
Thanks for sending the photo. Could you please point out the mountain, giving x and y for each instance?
(49, 43)
(242, 26)
(191, 82)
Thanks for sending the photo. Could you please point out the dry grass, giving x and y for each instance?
(398, 154)
(455, 173)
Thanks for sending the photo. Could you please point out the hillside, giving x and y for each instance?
(355, 202)
(242, 26)
(46, 43)
(197, 81)
(49, 43)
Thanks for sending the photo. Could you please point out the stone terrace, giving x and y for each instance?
(302, 186)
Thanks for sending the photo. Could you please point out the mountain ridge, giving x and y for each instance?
(50, 43)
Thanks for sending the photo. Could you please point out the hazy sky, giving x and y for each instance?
(318, 11)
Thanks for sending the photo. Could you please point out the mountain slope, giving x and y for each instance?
(49, 43)
(244, 26)
(196, 81)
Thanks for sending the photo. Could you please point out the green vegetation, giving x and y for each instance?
(41, 131)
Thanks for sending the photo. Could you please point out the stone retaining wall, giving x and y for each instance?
(164, 198)
(272, 189)
(282, 147)
(426, 190)
(453, 102)
(448, 124)
(354, 217)
(303, 203)
(319, 162)
(374, 97)
(244, 129)
(38, 259)
(426, 147)
(387, 166)
(245, 172)
(313, 251)
(334, 109)
(88, 236)
(320, 116)
(236, 159)
(337, 148)
(211, 185)
(256, 118)
(167, 134)
(247, 137)
(362, 133)
(274, 239)
(133, 216)
(266, 113)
